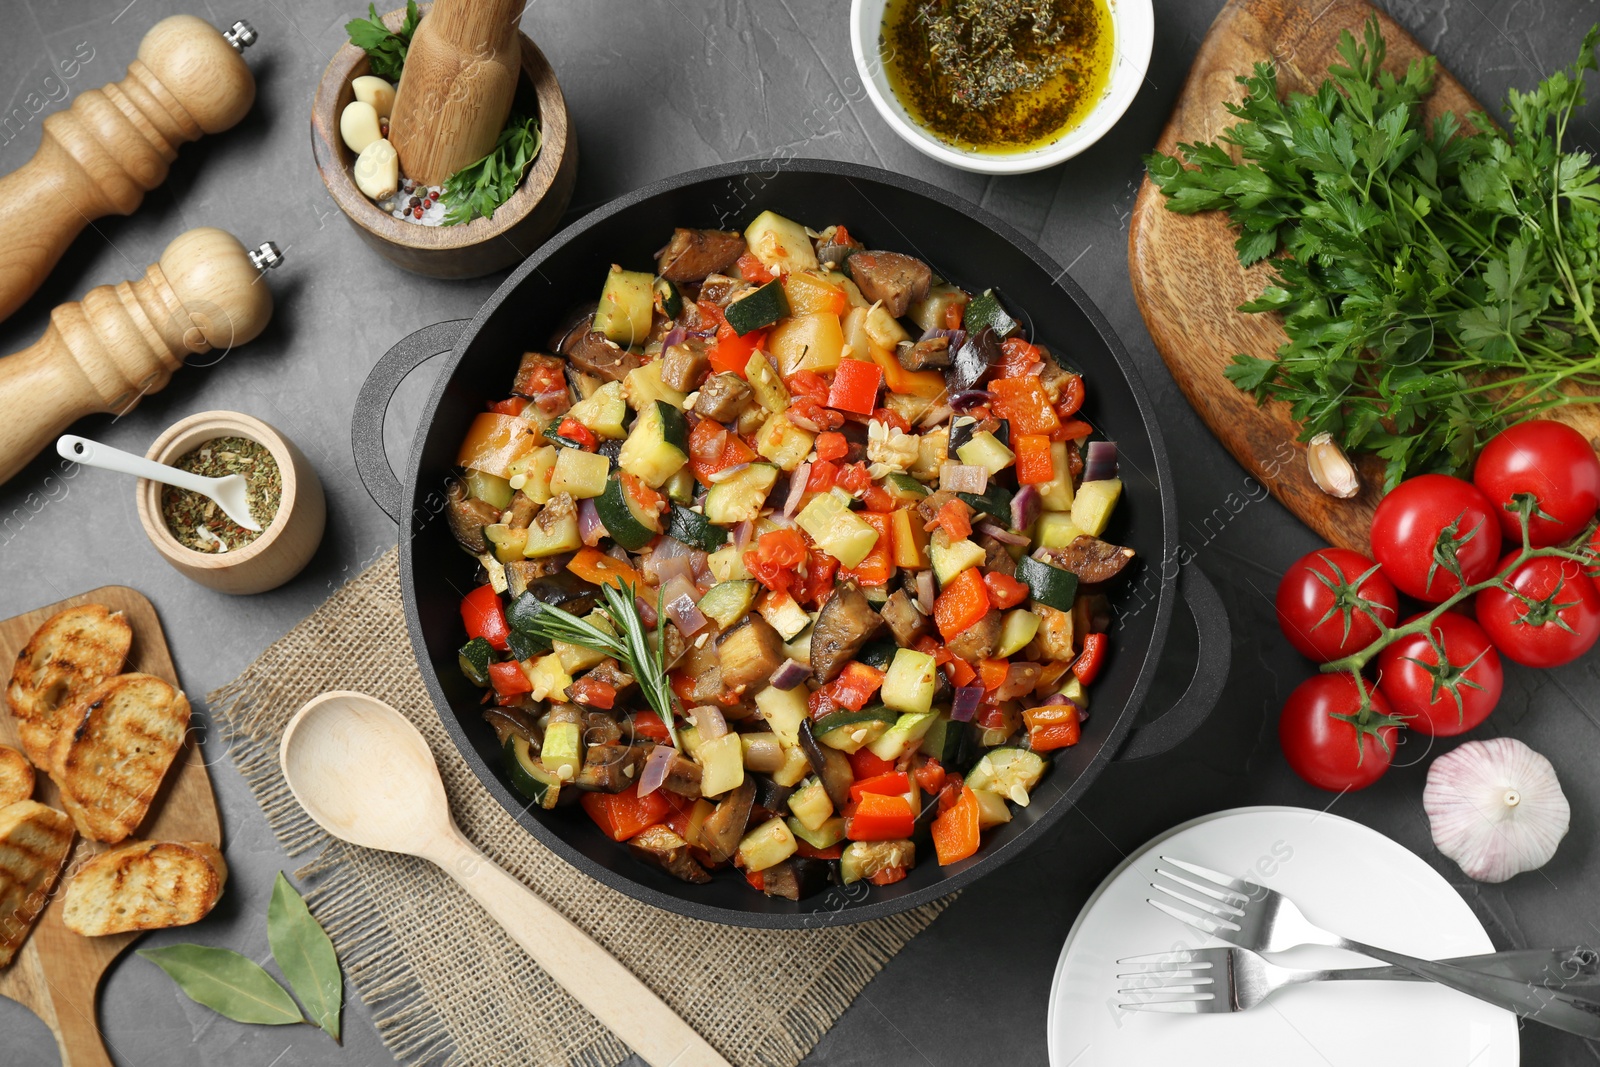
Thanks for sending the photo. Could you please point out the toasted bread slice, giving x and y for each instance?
(16, 776)
(74, 651)
(110, 759)
(146, 885)
(34, 842)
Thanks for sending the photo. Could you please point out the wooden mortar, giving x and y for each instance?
(287, 543)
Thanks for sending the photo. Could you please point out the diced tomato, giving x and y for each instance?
(992, 673)
(820, 569)
(864, 764)
(1025, 404)
(1086, 668)
(955, 519)
(593, 692)
(1072, 394)
(832, 445)
(877, 498)
(855, 685)
(775, 559)
(962, 603)
(990, 716)
(891, 783)
(730, 352)
(878, 817)
(891, 417)
(483, 616)
(1051, 726)
(821, 703)
(878, 565)
(824, 474)
(712, 448)
(1035, 465)
(955, 832)
(752, 269)
(817, 413)
(573, 430)
(953, 313)
(1004, 590)
(808, 383)
(1016, 356)
(1071, 430)
(930, 775)
(510, 406)
(597, 568)
(855, 478)
(508, 679)
(648, 724)
(929, 647)
(887, 876)
(622, 815)
(951, 791)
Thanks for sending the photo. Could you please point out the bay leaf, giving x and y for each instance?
(227, 983)
(305, 955)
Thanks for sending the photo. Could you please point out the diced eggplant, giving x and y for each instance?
(683, 364)
(660, 846)
(829, 764)
(591, 353)
(1092, 559)
(928, 507)
(845, 623)
(550, 583)
(973, 361)
(611, 768)
(683, 777)
(932, 353)
(511, 720)
(611, 672)
(719, 289)
(905, 621)
(708, 687)
(725, 826)
(771, 795)
(1054, 639)
(797, 878)
(750, 652)
(722, 397)
(693, 254)
(468, 516)
(995, 556)
(978, 640)
(522, 509)
(601, 728)
(535, 375)
(894, 279)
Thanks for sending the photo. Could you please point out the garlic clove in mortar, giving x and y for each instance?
(358, 126)
(371, 89)
(377, 170)
(1496, 808)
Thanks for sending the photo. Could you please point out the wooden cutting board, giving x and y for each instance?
(1188, 281)
(57, 972)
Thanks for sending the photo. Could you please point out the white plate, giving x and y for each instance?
(1345, 877)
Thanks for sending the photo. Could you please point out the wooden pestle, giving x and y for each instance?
(122, 341)
(100, 156)
(457, 87)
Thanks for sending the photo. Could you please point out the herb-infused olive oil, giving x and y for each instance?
(997, 76)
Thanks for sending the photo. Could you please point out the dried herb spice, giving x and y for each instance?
(997, 75)
(196, 521)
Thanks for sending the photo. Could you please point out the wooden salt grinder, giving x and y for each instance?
(457, 87)
(100, 156)
(122, 341)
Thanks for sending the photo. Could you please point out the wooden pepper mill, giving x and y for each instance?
(100, 156)
(122, 341)
(457, 87)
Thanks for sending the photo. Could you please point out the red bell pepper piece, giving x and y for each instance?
(955, 831)
(622, 815)
(878, 817)
(955, 519)
(648, 724)
(508, 679)
(573, 430)
(1016, 356)
(509, 406)
(855, 386)
(865, 764)
(962, 603)
(961, 672)
(1004, 590)
(752, 269)
(855, 686)
(483, 616)
(1025, 404)
(992, 673)
(730, 353)
(1051, 726)
(1086, 668)
(712, 448)
(593, 692)
(1035, 465)
(887, 876)
(891, 783)
(1071, 430)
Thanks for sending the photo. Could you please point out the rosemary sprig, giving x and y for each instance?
(629, 645)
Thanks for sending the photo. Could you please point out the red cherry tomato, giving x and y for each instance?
(1324, 612)
(1551, 461)
(1449, 700)
(1550, 614)
(1422, 514)
(1331, 753)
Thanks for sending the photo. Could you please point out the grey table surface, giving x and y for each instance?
(656, 88)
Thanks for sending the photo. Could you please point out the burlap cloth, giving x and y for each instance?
(445, 985)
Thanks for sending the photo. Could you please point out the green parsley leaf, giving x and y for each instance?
(385, 48)
(479, 188)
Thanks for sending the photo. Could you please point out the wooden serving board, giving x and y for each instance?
(57, 972)
(1187, 278)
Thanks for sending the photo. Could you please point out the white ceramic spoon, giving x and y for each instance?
(231, 493)
(367, 777)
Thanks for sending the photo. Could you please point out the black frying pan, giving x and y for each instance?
(964, 244)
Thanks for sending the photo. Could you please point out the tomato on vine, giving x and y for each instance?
(1544, 613)
(1553, 463)
(1434, 534)
(1337, 733)
(1445, 681)
(1330, 603)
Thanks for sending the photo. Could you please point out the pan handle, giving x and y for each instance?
(372, 407)
(1210, 673)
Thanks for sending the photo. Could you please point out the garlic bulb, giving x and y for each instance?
(1495, 808)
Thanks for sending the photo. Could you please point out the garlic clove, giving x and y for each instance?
(1496, 808)
(358, 126)
(371, 89)
(377, 170)
(1330, 468)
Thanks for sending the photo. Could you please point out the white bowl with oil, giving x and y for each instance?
(1133, 36)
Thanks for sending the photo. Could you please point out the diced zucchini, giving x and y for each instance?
(727, 602)
(884, 329)
(536, 470)
(658, 447)
(528, 776)
(1052, 586)
(760, 307)
(807, 342)
(1092, 507)
(992, 809)
(560, 536)
(507, 542)
(577, 658)
(727, 564)
(721, 764)
(562, 753)
(904, 488)
(1008, 772)
(850, 731)
(629, 522)
(830, 833)
(863, 859)
(579, 474)
(767, 845)
(986, 310)
(811, 805)
(799, 649)
(781, 244)
(489, 488)
(909, 684)
(1020, 626)
(835, 529)
(626, 303)
(603, 412)
(770, 391)
(1056, 530)
(643, 386)
(741, 497)
(950, 558)
(669, 297)
(906, 733)
(1076, 692)
(680, 487)
(984, 450)
(475, 657)
(496, 570)
(548, 677)
(783, 442)
(784, 710)
(929, 312)
(784, 613)
(795, 767)
(694, 529)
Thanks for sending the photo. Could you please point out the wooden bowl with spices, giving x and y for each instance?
(469, 249)
(194, 536)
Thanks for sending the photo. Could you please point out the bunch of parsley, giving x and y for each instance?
(385, 48)
(479, 188)
(1436, 284)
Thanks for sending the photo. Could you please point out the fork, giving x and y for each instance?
(1207, 980)
(1259, 919)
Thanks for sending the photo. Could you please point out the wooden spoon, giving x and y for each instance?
(367, 777)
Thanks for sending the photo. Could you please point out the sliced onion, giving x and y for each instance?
(802, 421)
(708, 721)
(964, 401)
(743, 534)
(963, 478)
(679, 593)
(675, 336)
(662, 569)
(590, 528)
(647, 611)
(965, 704)
(791, 674)
(1001, 534)
(1100, 462)
(936, 415)
(797, 489)
(925, 591)
(1025, 507)
(725, 473)
(656, 766)
(957, 338)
